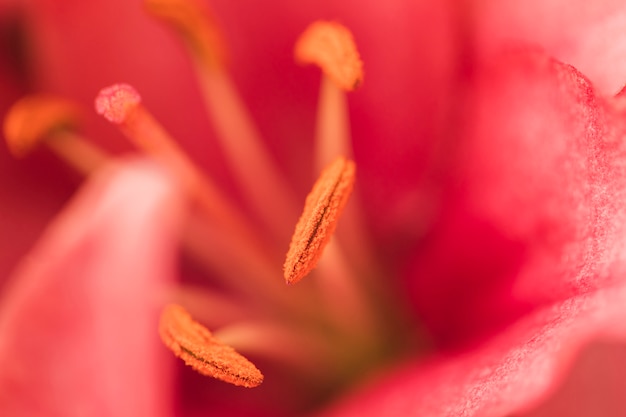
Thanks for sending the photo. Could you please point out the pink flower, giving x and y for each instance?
(490, 171)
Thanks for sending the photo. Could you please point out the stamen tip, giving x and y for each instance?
(194, 22)
(31, 119)
(116, 102)
(322, 210)
(197, 347)
(331, 46)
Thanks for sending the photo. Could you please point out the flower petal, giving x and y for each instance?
(511, 373)
(534, 202)
(78, 323)
(588, 35)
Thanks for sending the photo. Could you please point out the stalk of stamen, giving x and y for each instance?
(251, 277)
(344, 296)
(213, 308)
(121, 105)
(79, 153)
(221, 239)
(331, 46)
(332, 133)
(47, 120)
(265, 188)
(299, 348)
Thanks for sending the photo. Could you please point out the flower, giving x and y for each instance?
(492, 177)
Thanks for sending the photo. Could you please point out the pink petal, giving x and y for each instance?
(594, 387)
(511, 373)
(588, 35)
(78, 323)
(534, 199)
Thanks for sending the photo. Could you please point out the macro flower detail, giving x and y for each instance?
(463, 241)
(219, 234)
(331, 46)
(321, 212)
(193, 343)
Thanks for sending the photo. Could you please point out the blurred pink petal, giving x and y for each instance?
(588, 35)
(78, 320)
(533, 204)
(511, 373)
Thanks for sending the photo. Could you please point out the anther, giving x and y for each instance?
(195, 345)
(35, 118)
(331, 46)
(195, 25)
(322, 210)
(43, 119)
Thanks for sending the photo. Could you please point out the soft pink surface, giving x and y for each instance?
(511, 373)
(78, 320)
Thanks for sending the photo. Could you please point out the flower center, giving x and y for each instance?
(329, 327)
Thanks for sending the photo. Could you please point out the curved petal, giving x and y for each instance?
(588, 35)
(533, 210)
(592, 387)
(514, 372)
(78, 323)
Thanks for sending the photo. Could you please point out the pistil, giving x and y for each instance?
(221, 235)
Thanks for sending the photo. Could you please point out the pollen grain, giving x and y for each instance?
(322, 210)
(195, 345)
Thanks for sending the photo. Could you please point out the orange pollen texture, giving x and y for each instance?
(322, 209)
(195, 345)
(36, 117)
(331, 46)
(117, 102)
(194, 23)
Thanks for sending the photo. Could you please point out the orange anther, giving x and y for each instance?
(331, 46)
(195, 345)
(35, 118)
(322, 209)
(194, 23)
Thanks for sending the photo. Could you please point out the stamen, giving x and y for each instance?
(287, 344)
(332, 133)
(322, 209)
(121, 104)
(222, 237)
(195, 25)
(247, 155)
(331, 46)
(43, 119)
(195, 345)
